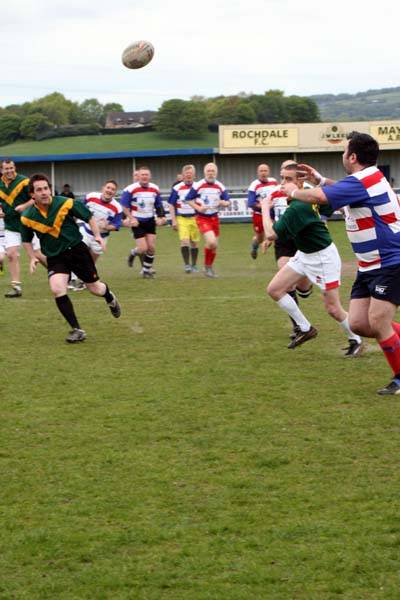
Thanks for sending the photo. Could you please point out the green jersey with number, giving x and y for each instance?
(301, 223)
(55, 227)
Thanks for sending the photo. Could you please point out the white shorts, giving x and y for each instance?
(13, 238)
(2, 244)
(322, 268)
(91, 242)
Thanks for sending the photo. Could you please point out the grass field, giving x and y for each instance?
(183, 453)
(149, 140)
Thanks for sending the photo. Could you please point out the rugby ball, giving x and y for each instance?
(138, 55)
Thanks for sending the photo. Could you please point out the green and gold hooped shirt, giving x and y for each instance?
(55, 227)
(12, 195)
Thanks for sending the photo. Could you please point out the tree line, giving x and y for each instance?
(55, 116)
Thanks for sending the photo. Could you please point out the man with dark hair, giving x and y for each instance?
(14, 198)
(372, 216)
(53, 220)
(67, 192)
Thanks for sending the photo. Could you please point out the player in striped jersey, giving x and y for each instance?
(183, 218)
(259, 188)
(372, 215)
(108, 214)
(207, 196)
(142, 203)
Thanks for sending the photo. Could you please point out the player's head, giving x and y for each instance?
(288, 163)
(40, 188)
(109, 189)
(135, 175)
(263, 172)
(361, 150)
(8, 168)
(188, 173)
(210, 172)
(144, 175)
(289, 175)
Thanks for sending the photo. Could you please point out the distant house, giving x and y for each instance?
(120, 120)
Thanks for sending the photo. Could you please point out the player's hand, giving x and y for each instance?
(161, 221)
(33, 263)
(1, 213)
(101, 242)
(19, 209)
(134, 222)
(102, 223)
(265, 245)
(266, 203)
(200, 207)
(174, 226)
(288, 188)
(308, 173)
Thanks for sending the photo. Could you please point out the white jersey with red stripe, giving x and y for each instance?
(111, 211)
(209, 194)
(372, 214)
(260, 189)
(142, 200)
(178, 199)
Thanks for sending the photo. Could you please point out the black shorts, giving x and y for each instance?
(144, 228)
(382, 284)
(286, 248)
(76, 259)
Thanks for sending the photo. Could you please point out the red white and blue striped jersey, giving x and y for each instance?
(103, 210)
(178, 199)
(372, 215)
(209, 194)
(259, 189)
(144, 201)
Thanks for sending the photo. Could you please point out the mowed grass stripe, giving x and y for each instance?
(182, 452)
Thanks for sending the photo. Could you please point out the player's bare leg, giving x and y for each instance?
(210, 252)
(335, 309)
(14, 268)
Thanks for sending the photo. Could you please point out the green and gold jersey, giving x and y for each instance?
(301, 223)
(13, 194)
(56, 228)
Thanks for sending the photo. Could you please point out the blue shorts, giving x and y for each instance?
(382, 284)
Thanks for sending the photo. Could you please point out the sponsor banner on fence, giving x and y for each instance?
(303, 137)
(237, 211)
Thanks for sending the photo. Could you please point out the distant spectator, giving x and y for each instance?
(67, 191)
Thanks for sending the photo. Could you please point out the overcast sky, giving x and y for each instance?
(202, 47)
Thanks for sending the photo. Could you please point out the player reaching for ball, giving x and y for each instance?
(207, 196)
(317, 259)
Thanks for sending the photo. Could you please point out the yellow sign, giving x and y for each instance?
(303, 137)
(386, 133)
(260, 137)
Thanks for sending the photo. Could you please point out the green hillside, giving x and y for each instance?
(106, 143)
(371, 105)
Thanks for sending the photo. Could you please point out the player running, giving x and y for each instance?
(2, 242)
(108, 214)
(53, 221)
(317, 259)
(258, 189)
(207, 196)
(372, 217)
(142, 204)
(14, 198)
(183, 219)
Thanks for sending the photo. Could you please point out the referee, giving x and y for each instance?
(53, 221)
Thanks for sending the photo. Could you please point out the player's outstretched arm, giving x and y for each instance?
(96, 233)
(309, 196)
(33, 260)
(308, 173)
